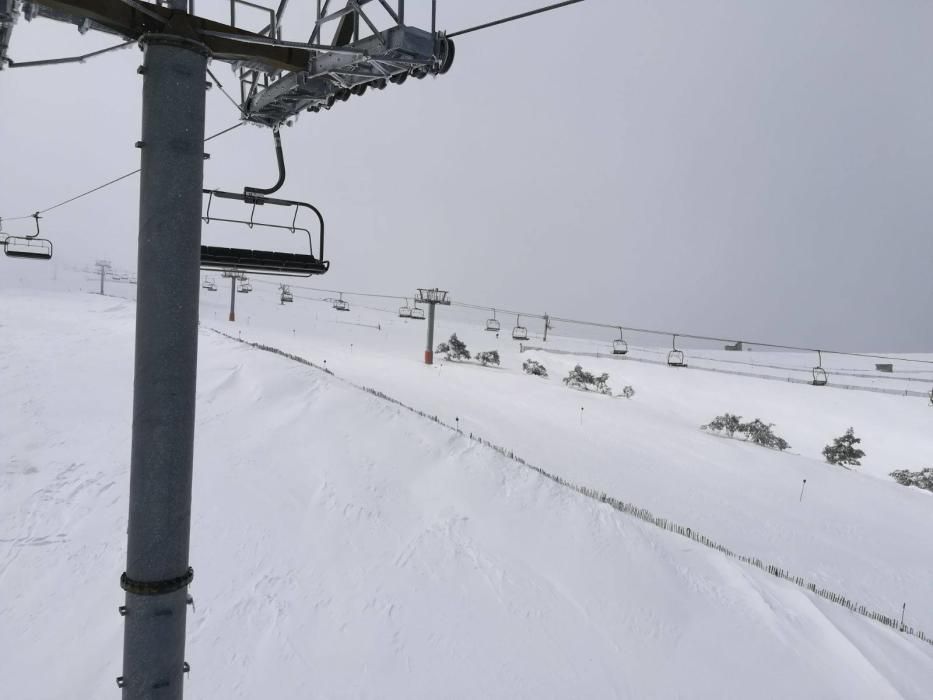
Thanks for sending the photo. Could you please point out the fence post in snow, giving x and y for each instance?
(801, 490)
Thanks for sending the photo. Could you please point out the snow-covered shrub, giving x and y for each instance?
(490, 357)
(442, 347)
(727, 423)
(922, 479)
(534, 367)
(756, 431)
(455, 349)
(843, 451)
(760, 433)
(628, 392)
(578, 378)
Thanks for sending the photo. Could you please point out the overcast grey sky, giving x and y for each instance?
(746, 168)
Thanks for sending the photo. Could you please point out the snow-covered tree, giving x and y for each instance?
(760, 433)
(727, 423)
(534, 367)
(756, 431)
(490, 357)
(628, 392)
(442, 347)
(922, 479)
(578, 378)
(843, 451)
(455, 349)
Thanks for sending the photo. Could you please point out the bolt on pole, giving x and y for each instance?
(172, 174)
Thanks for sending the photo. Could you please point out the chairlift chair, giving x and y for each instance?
(619, 346)
(404, 311)
(492, 324)
(245, 287)
(265, 262)
(286, 296)
(675, 358)
(519, 332)
(417, 313)
(341, 305)
(29, 247)
(819, 374)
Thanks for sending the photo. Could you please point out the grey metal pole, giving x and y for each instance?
(102, 280)
(429, 350)
(802, 487)
(547, 323)
(172, 173)
(233, 297)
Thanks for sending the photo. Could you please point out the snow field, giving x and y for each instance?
(344, 547)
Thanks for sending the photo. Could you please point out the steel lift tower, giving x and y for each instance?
(361, 45)
(431, 297)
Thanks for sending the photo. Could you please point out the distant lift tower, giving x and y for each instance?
(103, 267)
(234, 276)
(431, 297)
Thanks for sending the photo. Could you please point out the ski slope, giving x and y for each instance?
(344, 547)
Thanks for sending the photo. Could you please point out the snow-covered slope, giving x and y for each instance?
(344, 547)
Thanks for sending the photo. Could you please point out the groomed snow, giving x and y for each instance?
(344, 547)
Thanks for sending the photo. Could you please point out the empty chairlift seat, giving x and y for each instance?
(25, 247)
(519, 332)
(492, 324)
(404, 311)
(819, 374)
(417, 313)
(265, 262)
(619, 346)
(676, 358)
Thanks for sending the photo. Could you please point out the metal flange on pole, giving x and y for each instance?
(172, 173)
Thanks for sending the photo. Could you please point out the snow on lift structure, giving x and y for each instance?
(340, 304)
(619, 346)
(675, 358)
(519, 332)
(266, 262)
(819, 374)
(417, 313)
(29, 247)
(405, 310)
(492, 324)
(286, 296)
(346, 54)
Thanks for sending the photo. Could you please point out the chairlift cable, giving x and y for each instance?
(628, 329)
(512, 18)
(106, 184)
